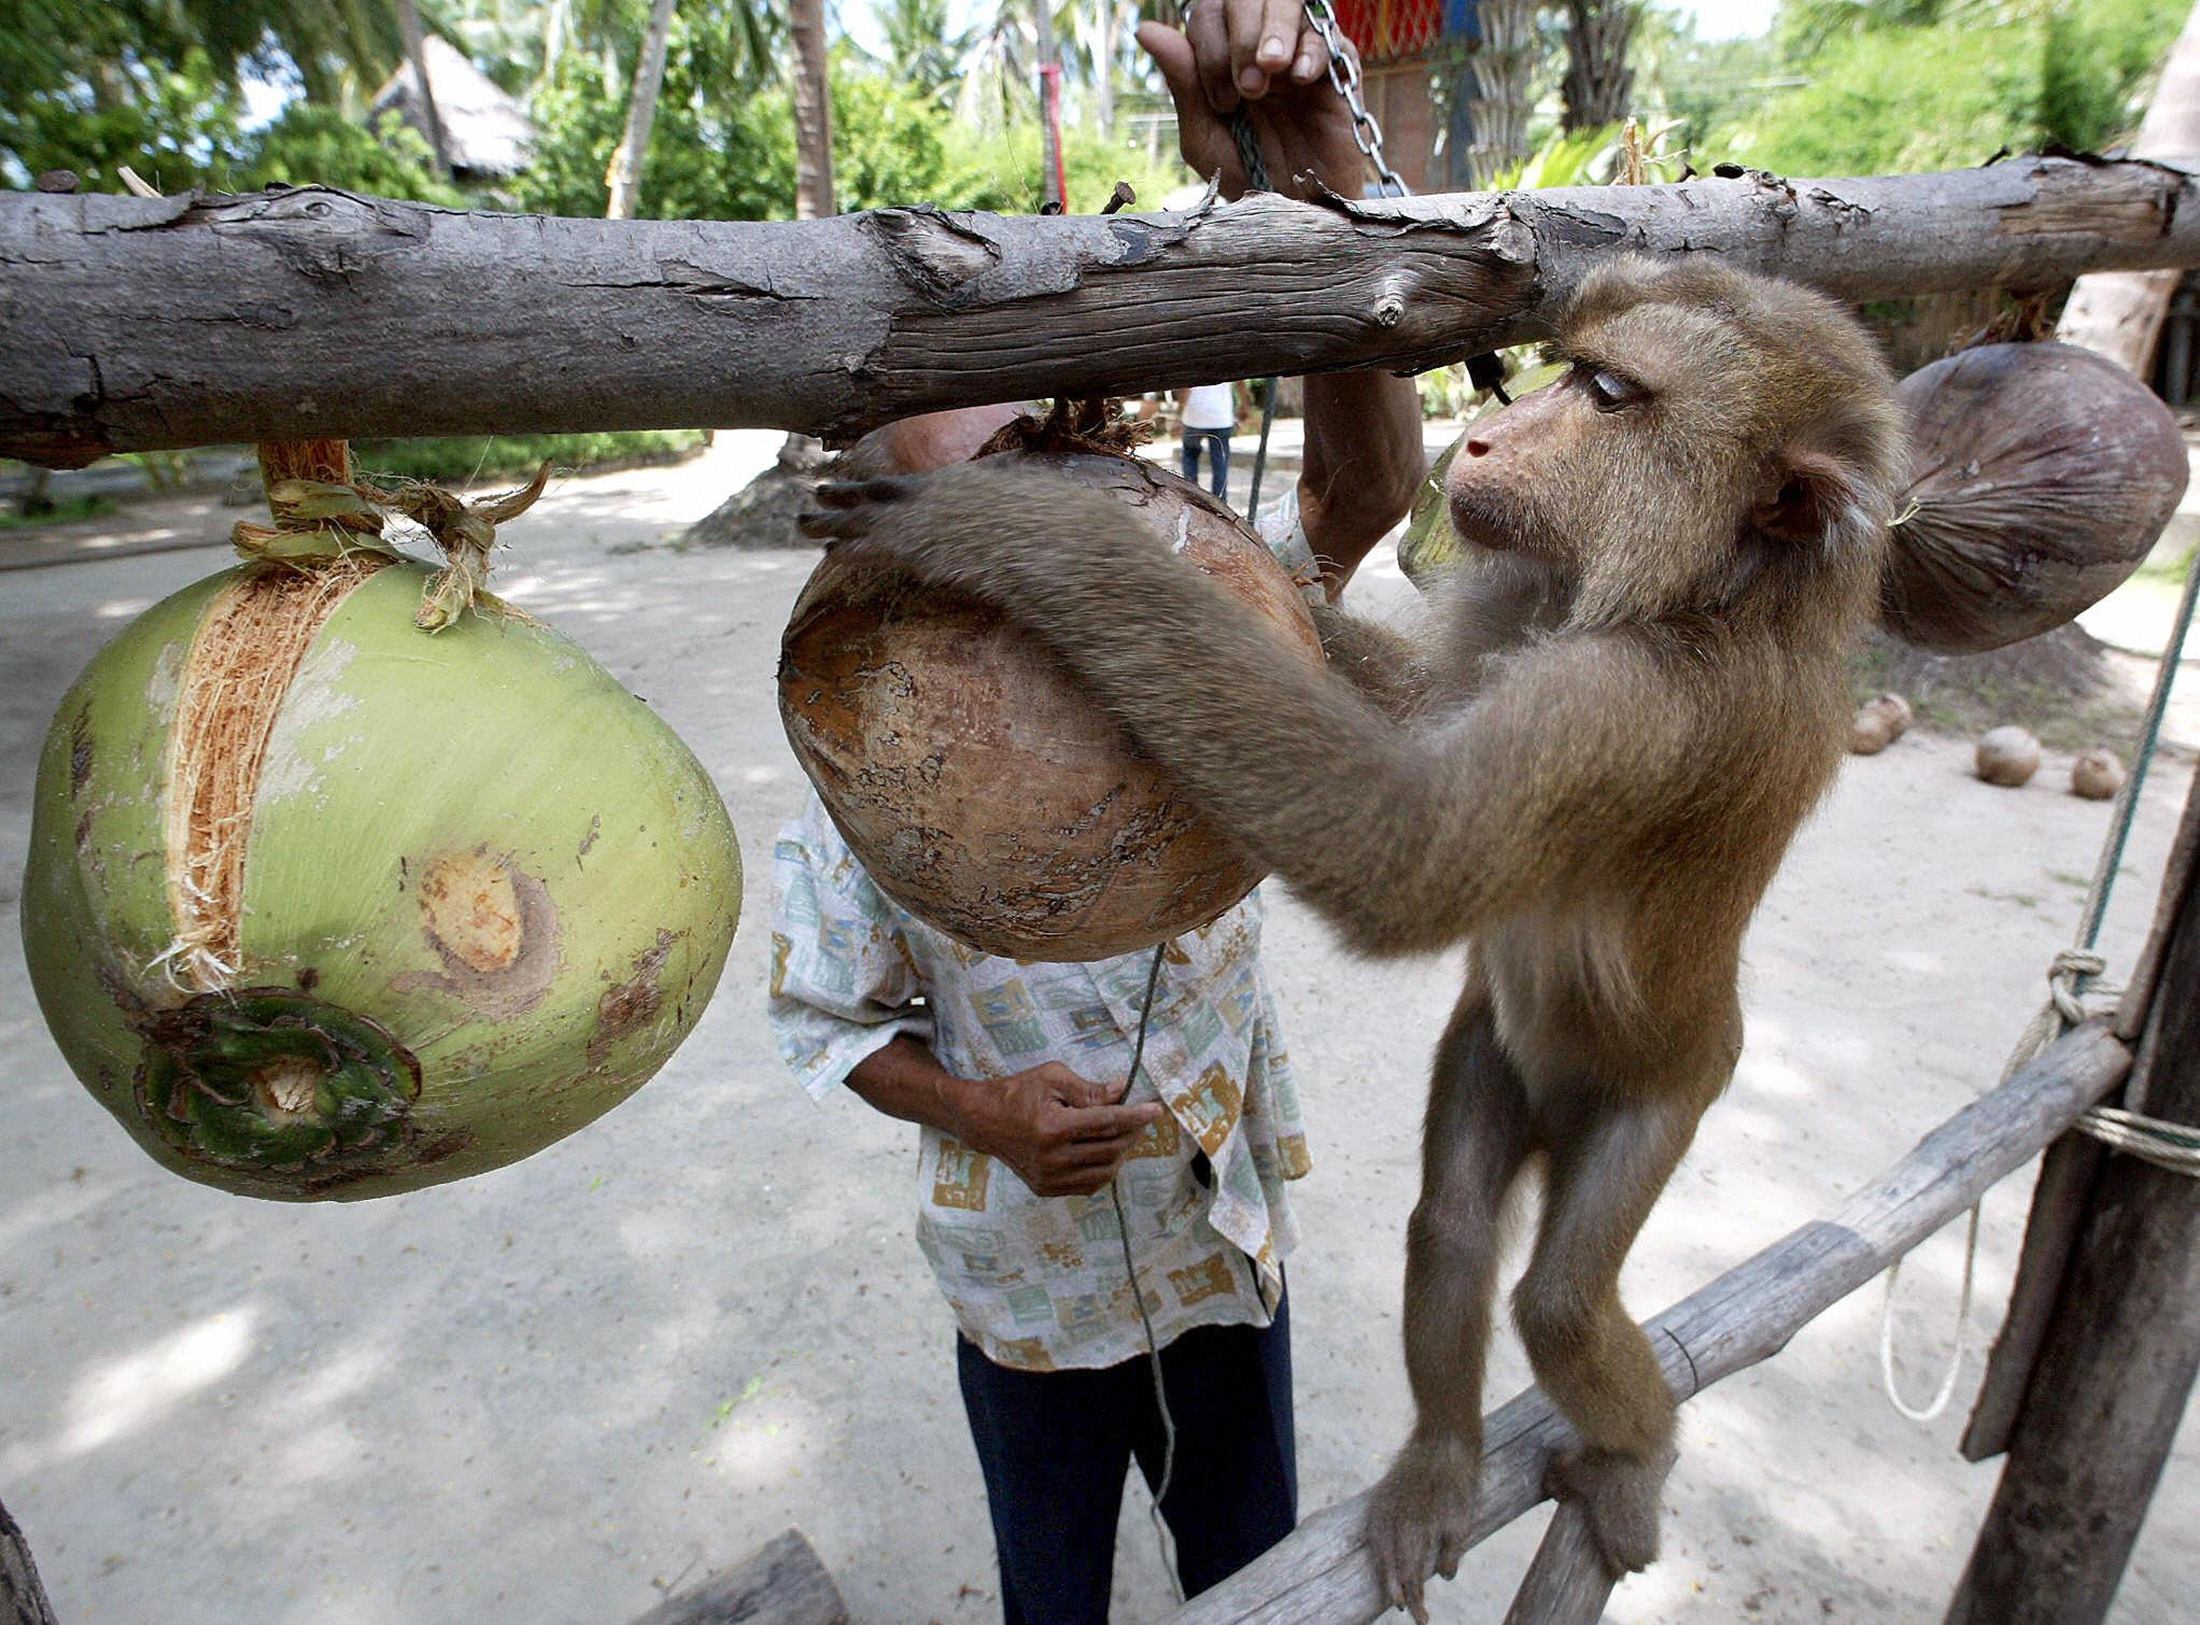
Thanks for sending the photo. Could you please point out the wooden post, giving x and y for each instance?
(2118, 1355)
(783, 1582)
(22, 1598)
(1567, 1584)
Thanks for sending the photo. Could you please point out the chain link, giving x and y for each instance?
(1344, 74)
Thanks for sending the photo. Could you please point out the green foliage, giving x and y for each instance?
(175, 126)
(1861, 87)
(318, 146)
(459, 459)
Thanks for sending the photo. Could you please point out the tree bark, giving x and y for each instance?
(1503, 62)
(22, 1597)
(624, 177)
(416, 49)
(136, 324)
(783, 1582)
(813, 112)
(2119, 313)
(1103, 70)
(1598, 80)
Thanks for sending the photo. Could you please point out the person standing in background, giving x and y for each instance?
(1210, 418)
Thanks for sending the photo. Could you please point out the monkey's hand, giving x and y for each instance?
(1420, 1517)
(1006, 534)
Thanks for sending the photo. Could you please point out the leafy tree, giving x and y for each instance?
(311, 145)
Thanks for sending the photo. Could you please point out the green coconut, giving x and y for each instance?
(320, 905)
(1429, 549)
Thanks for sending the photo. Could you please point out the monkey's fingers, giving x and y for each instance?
(834, 527)
(858, 493)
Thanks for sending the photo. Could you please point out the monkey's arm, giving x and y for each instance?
(1385, 666)
(1404, 843)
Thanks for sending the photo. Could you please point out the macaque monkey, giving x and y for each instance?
(1588, 772)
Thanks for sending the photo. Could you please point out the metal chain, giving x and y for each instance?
(1344, 78)
(1344, 74)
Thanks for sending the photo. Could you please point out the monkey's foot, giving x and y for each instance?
(1620, 1494)
(1419, 1519)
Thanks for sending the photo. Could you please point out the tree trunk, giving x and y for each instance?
(813, 112)
(416, 51)
(1503, 64)
(140, 323)
(1599, 82)
(2119, 313)
(624, 177)
(1050, 105)
(1103, 71)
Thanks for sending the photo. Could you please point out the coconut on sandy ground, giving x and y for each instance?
(548, 1392)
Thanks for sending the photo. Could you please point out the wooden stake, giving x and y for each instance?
(2117, 1360)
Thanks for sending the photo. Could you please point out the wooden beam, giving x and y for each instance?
(2116, 1363)
(2066, 1177)
(1567, 1584)
(22, 1597)
(134, 323)
(1322, 1572)
(783, 1582)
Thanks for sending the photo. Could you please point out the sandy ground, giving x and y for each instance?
(552, 1392)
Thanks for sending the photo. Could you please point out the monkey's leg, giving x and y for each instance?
(1589, 1355)
(1473, 1143)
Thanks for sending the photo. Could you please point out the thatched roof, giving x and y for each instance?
(485, 132)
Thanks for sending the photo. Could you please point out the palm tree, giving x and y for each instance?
(624, 178)
(1503, 64)
(813, 111)
(1599, 82)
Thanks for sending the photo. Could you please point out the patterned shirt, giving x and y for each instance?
(1039, 1282)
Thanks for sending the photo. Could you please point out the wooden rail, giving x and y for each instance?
(1322, 1571)
(135, 324)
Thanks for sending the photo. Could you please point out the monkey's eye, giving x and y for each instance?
(1609, 390)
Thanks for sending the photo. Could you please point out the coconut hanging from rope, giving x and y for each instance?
(2041, 476)
(983, 790)
(325, 904)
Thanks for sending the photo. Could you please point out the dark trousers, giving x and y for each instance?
(1218, 458)
(1054, 1446)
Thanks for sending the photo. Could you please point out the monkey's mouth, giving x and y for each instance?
(1479, 522)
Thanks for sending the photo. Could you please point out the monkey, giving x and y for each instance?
(1588, 773)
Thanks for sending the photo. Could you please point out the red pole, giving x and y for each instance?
(1051, 72)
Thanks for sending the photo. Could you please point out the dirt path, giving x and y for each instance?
(542, 1394)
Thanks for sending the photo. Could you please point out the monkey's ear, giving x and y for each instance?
(1813, 496)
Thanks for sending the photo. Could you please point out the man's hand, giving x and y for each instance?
(1264, 56)
(1063, 1134)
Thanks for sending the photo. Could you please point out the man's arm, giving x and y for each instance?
(1063, 1135)
(1363, 461)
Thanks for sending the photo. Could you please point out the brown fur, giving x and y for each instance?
(1590, 775)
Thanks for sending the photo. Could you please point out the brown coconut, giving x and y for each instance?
(1879, 723)
(2096, 775)
(2041, 475)
(2007, 756)
(981, 787)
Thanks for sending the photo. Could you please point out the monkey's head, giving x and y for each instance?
(1719, 437)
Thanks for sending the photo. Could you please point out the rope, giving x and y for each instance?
(2071, 975)
(1138, 1296)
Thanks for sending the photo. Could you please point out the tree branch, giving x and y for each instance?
(136, 324)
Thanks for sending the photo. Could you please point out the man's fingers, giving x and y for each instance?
(1172, 54)
(1312, 60)
(1109, 1122)
(1207, 27)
